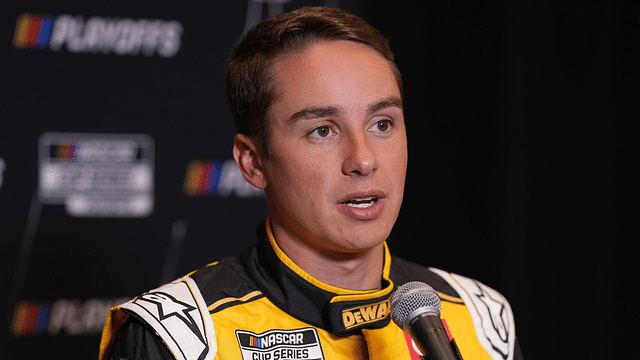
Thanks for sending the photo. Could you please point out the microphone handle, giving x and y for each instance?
(431, 338)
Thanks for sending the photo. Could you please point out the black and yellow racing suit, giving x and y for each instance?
(259, 305)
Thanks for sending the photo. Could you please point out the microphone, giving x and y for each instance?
(415, 308)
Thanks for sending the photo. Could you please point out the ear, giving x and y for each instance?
(248, 156)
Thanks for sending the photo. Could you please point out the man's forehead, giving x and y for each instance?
(337, 49)
(330, 76)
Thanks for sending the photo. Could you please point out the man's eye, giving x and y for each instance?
(322, 131)
(383, 125)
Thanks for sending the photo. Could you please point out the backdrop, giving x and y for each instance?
(116, 171)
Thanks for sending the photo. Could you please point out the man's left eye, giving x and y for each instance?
(383, 125)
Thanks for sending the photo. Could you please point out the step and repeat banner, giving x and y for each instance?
(116, 172)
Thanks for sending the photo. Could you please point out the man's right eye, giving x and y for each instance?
(321, 132)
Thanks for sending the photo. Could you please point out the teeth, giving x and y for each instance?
(361, 202)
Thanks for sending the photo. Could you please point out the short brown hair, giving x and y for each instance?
(248, 72)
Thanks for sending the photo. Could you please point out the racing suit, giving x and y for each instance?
(259, 305)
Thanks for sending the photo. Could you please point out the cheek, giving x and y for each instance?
(403, 157)
(300, 177)
(402, 167)
(397, 160)
(397, 165)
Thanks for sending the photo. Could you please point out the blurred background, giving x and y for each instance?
(116, 173)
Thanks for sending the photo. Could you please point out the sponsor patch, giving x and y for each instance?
(280, 345)
(365, 314)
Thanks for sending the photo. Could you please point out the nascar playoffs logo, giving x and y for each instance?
(72, 317)
(98, 35)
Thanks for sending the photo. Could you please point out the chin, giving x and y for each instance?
(364, 240)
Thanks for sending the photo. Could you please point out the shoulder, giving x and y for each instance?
(490, 315)
(224, 280)
(178, 313)
(445, 283)
(403, 271)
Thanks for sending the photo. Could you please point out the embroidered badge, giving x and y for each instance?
(349, 316)
(366, 314)
(491, 314)
(177, 312)
(280, 345)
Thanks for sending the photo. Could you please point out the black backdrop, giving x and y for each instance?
(522, 135)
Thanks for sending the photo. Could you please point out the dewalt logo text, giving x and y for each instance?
(365, 314)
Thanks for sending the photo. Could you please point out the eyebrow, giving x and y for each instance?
(315, 112)
(326, 111)
(385, 103)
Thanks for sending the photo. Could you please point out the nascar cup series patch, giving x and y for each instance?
(280, 344)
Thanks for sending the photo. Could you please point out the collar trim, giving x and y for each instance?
(342, 293)
(347, 311)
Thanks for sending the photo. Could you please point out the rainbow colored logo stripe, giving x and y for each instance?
(203, 178)
(30, 318)
(33, 31)
(67, 151)
(254, 341)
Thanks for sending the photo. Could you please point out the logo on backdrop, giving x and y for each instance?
(120, 36)
(73, 317)
(97, 175)
(217, 178)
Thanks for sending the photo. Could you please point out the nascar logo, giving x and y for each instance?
(33, 31)
(98, 35)
(34, 318)
(365, 314)
(274, 339)
(67, 151)
(31, 318)
(217, 178)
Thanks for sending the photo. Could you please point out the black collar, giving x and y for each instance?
(341, 311)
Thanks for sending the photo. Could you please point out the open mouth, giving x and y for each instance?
(364, 202)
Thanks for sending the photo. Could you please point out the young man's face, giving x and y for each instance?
(338, 151)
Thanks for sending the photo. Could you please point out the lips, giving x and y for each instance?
(361, 203)
(363, 206)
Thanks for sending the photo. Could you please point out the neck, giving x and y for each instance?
(361, 270)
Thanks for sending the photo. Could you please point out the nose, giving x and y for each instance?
(361, 159)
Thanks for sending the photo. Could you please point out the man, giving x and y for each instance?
(317, 101)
